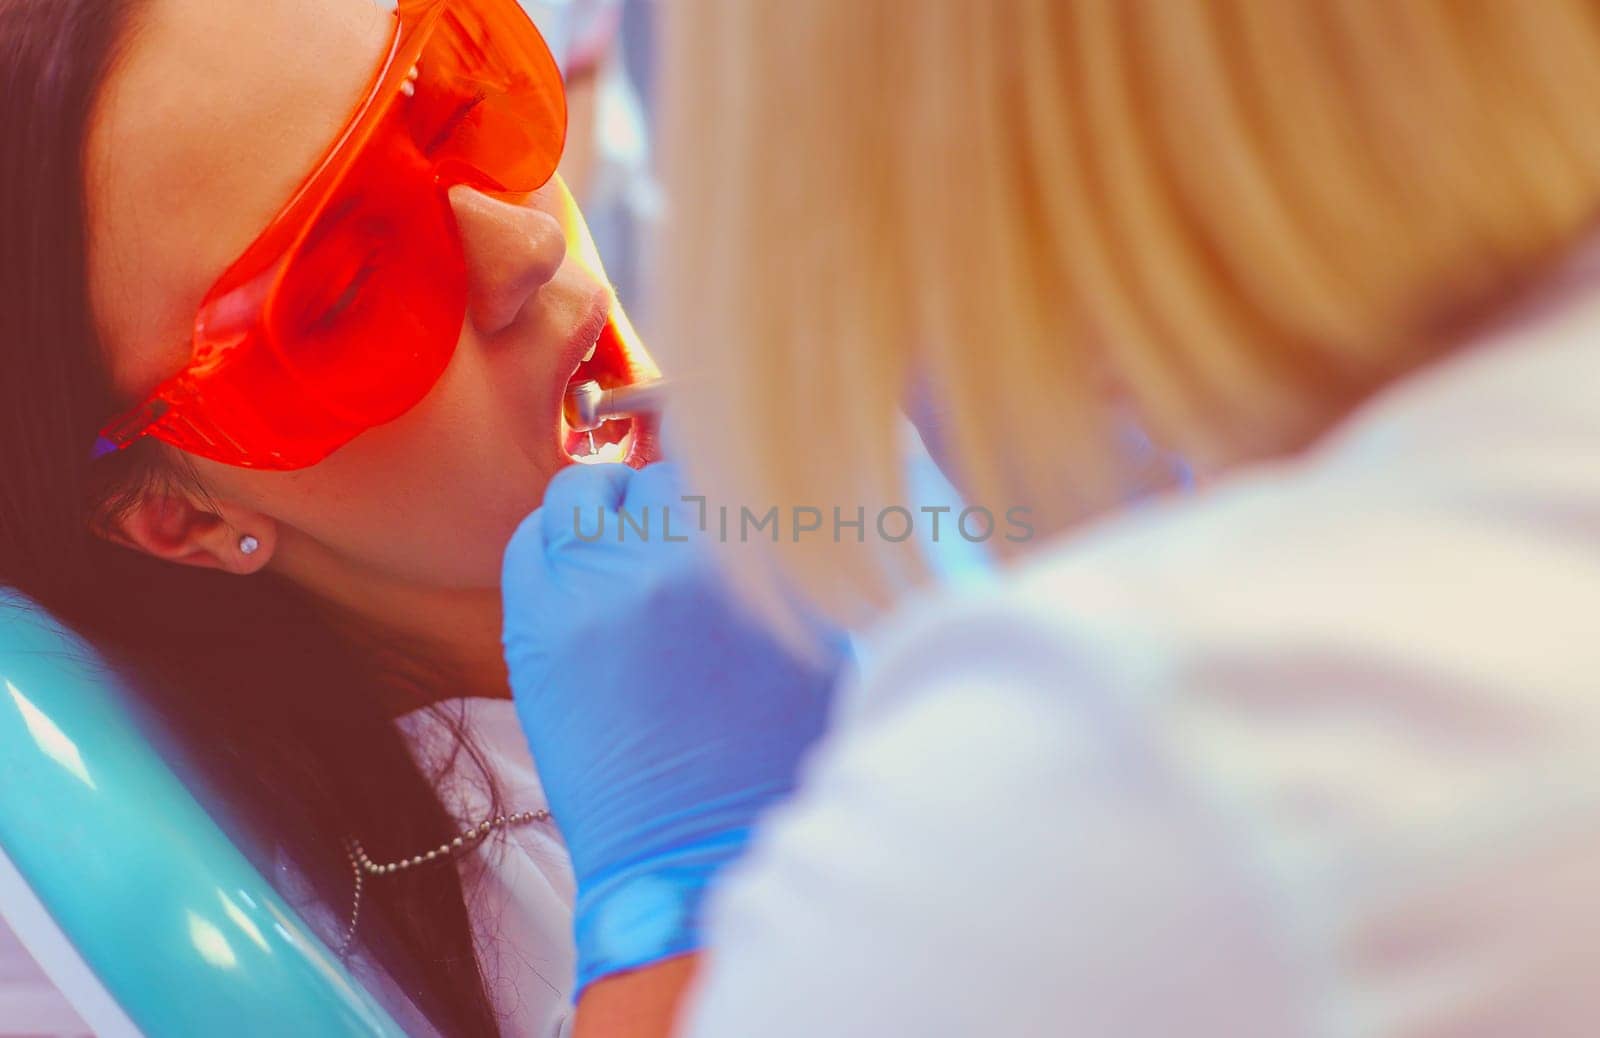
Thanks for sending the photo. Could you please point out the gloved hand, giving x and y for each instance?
(663, 720)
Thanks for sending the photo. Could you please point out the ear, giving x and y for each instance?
(172, 526)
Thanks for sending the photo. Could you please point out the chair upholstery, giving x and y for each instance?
(175, 924)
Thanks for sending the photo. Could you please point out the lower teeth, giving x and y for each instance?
(604, 453)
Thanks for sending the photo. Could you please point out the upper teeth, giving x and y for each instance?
(587, 357)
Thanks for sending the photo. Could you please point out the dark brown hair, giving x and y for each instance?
(287, 715)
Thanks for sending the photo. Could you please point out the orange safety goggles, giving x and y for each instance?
(343, 314)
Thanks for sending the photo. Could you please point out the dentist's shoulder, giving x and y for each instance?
(1220, 766)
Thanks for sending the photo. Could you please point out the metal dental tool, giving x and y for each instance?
(587, 406)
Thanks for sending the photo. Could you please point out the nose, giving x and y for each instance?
(512, 251)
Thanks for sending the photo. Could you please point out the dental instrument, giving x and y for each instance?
(588, 406)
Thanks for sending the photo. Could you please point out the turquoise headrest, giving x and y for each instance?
(182, 931)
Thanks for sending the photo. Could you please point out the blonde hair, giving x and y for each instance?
(1232, 219)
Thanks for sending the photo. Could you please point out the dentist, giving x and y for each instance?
(1314, 750)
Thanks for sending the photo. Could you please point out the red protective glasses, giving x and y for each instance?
(345, 311)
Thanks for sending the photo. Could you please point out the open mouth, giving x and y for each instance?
(610, 364)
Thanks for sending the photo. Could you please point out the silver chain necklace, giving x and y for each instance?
(362, 866)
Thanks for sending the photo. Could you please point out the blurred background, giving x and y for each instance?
(606, 54)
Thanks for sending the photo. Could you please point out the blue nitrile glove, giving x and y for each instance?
(662, 718)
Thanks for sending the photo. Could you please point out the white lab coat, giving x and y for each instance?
(1313, 752)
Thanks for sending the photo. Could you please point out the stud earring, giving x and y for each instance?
(248, 545)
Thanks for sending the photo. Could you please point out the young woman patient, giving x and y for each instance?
(287, 312)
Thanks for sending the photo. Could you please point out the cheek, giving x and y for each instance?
(430, 498)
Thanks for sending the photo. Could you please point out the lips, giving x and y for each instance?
(603, 350)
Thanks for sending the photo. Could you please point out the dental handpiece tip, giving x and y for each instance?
(588, 406)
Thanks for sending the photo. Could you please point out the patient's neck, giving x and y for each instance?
(459, 628)
(456, 630)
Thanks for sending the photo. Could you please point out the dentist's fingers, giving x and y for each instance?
(654, 486)
(580, 494)
(574, 496)
(657, 490)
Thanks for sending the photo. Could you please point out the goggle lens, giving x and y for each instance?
(346, 311)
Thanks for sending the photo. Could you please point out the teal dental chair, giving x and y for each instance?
(119, 882)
